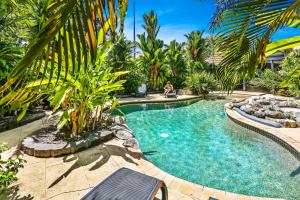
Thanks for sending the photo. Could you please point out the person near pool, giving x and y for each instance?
(168, 88)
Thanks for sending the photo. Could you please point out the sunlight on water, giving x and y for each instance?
(203, 146)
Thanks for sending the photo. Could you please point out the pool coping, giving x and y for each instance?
(289, 143)
(187, 187)
(165, 100)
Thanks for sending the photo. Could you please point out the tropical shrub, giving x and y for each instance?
(120, 56)
(268, 79)
(66, 62)
(291, 72)
(82, 99)
(134, 79)
(284, 81)
(201, 83)
(120, 59)
(69, 37)
(9, 167)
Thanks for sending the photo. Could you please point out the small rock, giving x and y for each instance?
(290, 124)
(119, 120)
(124, 134)
(229, 106)
(298, 121)
(131, 142)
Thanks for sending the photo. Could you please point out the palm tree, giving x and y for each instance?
(246, 29)
(151, 56)
(151, 25)
(71, 35)
(174, 60)
(9, 55)
(120, 56)
(195, 48)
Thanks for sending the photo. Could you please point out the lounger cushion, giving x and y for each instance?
(124, 184)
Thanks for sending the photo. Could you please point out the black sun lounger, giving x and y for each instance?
(126, 184)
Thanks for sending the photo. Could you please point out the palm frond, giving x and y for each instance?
(69, 37)
(245, 28)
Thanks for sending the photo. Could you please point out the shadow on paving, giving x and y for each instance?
(90, 156)
(12, 194)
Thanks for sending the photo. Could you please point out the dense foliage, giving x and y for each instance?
(283, 80)
(202, 83)
(291, 72)
(64, 60)
(75, 54)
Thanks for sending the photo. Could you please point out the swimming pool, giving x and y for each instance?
(195, 141)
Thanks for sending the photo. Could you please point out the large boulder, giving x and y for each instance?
(237, 100)
(124, 134)
(131, 142)
(288, 123)
(264, 101)
(290, 104)
(118, 127)
(239, 104)
(260, 113)
(275, 114)
(247, 109)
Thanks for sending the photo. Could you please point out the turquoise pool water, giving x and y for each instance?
(195, 141)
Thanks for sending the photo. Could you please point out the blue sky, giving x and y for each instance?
(179, 17)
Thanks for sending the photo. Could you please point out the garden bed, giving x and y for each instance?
(49, 142)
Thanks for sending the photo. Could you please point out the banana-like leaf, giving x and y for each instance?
(60, 96)
(283, 44)
(64, 119)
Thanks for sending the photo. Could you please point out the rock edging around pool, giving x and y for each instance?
(44, 145)
(262, 129)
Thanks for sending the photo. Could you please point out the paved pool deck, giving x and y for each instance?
(72, 176)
